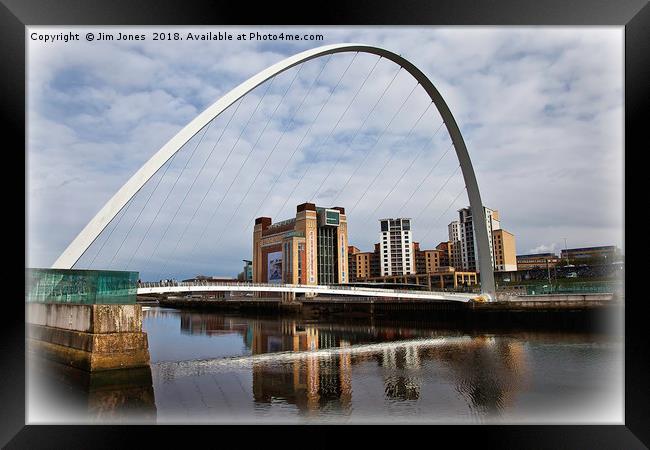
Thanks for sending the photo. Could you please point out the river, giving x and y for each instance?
(209, 367)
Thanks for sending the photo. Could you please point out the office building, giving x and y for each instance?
(537, 261)
(454, 231)
(247, 274)
(311, 248)
(396, 247)
(607, 253)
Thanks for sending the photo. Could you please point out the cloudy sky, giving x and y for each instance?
(540, 110)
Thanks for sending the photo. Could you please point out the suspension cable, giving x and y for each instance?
(232, 148)
(214, 212)
(437, 193)
(378, 139)
(117, 223)
(322, 144)
(205, 228)
(280, 138)
(378, 174)
(255, 145)
(157, 212)
(426, 177)
(417, 155)
(361, 127)
(303, 174)
(223, 163)
(144, 206)
(442, 215)
(218, 140)
(250, 185)
(174, 185)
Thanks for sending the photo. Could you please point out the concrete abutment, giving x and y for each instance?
(89, 337)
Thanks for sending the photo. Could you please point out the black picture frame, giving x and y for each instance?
(634, 15)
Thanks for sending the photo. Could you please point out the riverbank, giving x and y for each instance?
(566, 311)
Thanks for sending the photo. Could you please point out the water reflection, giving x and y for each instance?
(486, 372)
(227, 368)
(63, 394)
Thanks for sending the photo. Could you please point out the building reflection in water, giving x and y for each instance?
(397, 362)
(311, 383)
(486, 372)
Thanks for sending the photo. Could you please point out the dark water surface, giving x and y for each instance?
(226, 368)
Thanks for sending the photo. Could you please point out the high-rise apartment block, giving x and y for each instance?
(396, 251)
(463, 251)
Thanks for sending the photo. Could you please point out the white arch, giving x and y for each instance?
(88, 235)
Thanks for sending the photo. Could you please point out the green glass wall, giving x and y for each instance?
(327, 256)
(86, 287)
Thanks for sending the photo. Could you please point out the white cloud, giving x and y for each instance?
(540, 110)
(544, 248)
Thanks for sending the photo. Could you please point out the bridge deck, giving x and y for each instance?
(158, 288)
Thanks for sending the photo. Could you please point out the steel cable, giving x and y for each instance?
(404, 172)
(437, 193)
(167, 165)
(117, 223)
(426, 177)
(232, 148)
(378, 174)
(174, 185)
(361, 127)
(157, 212)
(377, 141)
(442, 215)
(319, 112)
(255, 145)
(294, 150)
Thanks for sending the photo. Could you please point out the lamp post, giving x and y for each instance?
(566, 250)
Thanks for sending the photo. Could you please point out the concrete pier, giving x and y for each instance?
(89, 337)
(66, 394)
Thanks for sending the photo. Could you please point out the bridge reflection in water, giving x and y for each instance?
(315, 368)
(224, 368)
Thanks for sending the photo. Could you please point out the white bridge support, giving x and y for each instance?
(288, 291)
(88, 235)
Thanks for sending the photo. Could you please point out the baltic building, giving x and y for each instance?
(308, 249)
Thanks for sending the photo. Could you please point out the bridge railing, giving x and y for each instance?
(156, 284)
